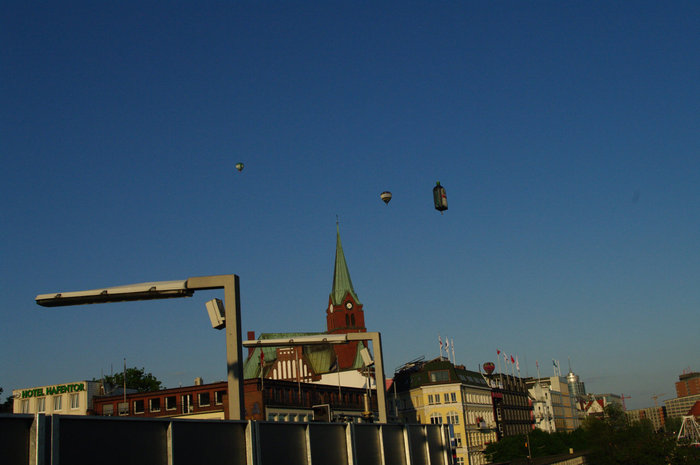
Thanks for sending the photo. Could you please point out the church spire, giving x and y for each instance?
(341, 276)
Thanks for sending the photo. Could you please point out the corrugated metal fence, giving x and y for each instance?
(78, 440)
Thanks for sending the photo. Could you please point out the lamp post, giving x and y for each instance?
(173, 289)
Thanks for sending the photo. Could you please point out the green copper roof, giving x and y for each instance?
(321, 357)
(341, 276)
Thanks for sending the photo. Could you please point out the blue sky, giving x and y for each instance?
(566, 134)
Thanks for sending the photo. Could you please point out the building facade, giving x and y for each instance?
(554, 408)
(654, 414)
(680, 406)
(74, 398)
(439, 392)
(513, 408)
(688, 384)
(688, 392)
(273, 400)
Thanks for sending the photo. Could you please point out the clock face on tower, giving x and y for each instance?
(348, 305)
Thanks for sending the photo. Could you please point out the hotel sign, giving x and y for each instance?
(52, 390)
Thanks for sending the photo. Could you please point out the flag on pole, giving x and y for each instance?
(453, 351)
(440, 339)
(517, 364)
(512, 359)
(498, 352)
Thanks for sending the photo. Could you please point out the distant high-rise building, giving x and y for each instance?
(577, 389)
(653, 414)
(688, 384)
(688, 391)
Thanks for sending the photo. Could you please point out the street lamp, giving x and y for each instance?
(172, 289)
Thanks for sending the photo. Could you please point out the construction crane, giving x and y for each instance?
(623, 397)
(655, 397)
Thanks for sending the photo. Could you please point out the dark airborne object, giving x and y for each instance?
(386, 197)
(439, 198)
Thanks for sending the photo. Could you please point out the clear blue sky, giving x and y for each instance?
(567, 135)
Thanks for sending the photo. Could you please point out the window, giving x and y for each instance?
(435, 419)
(430, 399)
(57, 403)
(74, 401)
(108, 410)
(25, 406)
(123, 408)
(154, 405)
(458, 439)
(138, 406)
(187, 406)
(453, 396)
(41, 404)
(453, 418)
(219, 397)
(446, 398)
(439, 375)
(460, 460)
(203, 399)
(170, 403)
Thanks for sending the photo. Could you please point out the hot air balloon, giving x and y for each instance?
(385, 196)
(239, 166)
(489, 367)
(439, 198)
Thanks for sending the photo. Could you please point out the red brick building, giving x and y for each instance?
(688, 384)
(264, 400)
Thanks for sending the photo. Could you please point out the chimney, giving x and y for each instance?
(198, 381)
(251, 336)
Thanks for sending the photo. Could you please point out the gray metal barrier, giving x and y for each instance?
(79, 440)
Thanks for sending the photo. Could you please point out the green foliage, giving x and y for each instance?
(136, 378)
(7, 405)
(673, 425)
(507, 449)
(611, 440)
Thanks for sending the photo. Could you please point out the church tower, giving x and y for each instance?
(344, 313)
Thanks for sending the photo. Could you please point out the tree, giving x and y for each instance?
(673, 425)
(614, 441)
(7, 405)
(136, 378)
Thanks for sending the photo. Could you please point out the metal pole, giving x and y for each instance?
(376, 339)
(234, 349)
